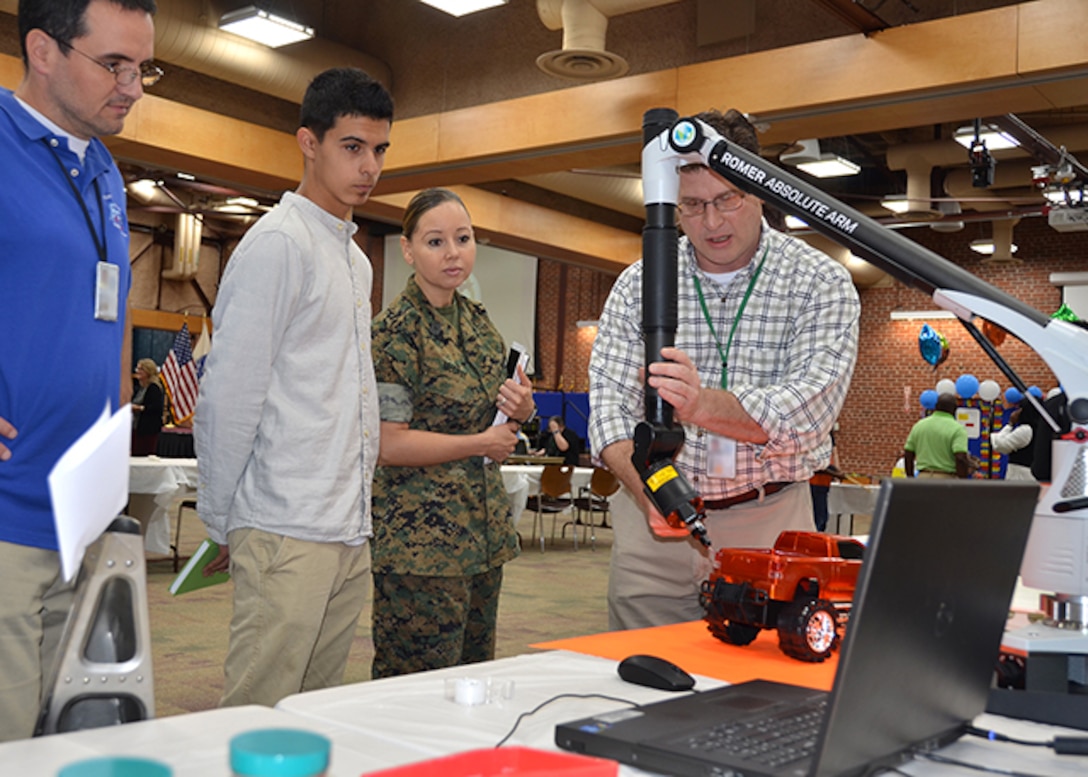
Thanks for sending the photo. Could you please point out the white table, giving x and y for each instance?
(154, 484)
(850, 499)
(522, 480)
(413, 713)
(400, 720)
(198, 744)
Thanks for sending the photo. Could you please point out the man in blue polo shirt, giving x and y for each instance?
(64, 268)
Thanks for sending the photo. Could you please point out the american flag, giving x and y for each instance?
(179, 375)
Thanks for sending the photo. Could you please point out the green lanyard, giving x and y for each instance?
(724, 353)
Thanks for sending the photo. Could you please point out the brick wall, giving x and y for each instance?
(883, 400)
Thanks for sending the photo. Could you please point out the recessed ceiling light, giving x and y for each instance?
(264, 28)
(463, 7)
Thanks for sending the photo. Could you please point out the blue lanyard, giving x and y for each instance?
(724, 352)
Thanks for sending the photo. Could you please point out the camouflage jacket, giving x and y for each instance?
(452, 519)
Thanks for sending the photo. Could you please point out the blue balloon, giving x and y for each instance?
(1013, 396)
(966, 386)
(928, 399)
(1035, 391)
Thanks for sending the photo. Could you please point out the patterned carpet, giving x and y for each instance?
(551, 595)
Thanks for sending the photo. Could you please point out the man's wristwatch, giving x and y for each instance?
(532, 416)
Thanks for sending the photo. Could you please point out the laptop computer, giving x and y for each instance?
(917, 657)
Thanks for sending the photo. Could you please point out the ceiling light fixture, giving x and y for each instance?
(830, 166)
(920, 315)
(792, 222)
(995, 139)
(588, 324)
(985, 246)
(263, 27)
(463, 7)
(807, 156)
(896, 203)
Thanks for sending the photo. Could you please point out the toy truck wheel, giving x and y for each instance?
(808, 630)
(734, 633)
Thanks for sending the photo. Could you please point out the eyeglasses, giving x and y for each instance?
(726, 202)
(124, 75)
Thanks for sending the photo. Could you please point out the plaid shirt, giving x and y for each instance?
(789, 364)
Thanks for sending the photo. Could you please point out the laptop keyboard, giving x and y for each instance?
(772, 740)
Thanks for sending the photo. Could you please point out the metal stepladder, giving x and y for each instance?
(103, 668)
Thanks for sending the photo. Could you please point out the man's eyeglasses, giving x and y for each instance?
(726, 202)
(124, 75)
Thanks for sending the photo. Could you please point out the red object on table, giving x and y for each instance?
(502, 761)
(694, 649)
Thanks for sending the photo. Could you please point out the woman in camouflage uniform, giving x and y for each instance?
(442, 527)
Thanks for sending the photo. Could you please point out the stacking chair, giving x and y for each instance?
(591, 499)
(553, 497)
(103, 672)
(175, 546)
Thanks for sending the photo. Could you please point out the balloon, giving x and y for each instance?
(1013, 396)
(1065, 313)
(1035, 391)
(988, 390)
(932, 345)
(928, 399)
(946, 387)
(966, 386)
(994, 333)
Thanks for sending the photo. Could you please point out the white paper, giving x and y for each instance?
(89, 485)
(523, 362)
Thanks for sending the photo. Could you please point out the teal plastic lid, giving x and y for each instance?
(116, 767)
(279, 752)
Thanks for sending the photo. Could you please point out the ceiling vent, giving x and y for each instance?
(584, 24)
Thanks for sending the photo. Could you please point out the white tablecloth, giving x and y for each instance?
(850, 499)
(392, 722)
(523, 480)
(153, 485)
(412, 712)
(197, 744)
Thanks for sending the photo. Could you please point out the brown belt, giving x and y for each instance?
(747, 496)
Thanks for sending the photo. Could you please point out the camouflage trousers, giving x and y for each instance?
(422, 623)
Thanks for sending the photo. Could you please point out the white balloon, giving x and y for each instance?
(988, 390)
(946, 386)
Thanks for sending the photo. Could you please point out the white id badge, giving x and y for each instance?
(107, 291)
(721, 457)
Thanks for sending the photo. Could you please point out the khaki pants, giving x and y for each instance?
(654, 581)
(296, 606)
(33, 610)
(940, 475)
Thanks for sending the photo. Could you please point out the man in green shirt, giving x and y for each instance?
(938, 443)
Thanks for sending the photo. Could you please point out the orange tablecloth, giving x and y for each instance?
(694, 649)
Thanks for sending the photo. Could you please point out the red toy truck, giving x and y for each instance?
(803, 587)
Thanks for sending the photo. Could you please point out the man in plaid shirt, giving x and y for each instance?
(764, 349)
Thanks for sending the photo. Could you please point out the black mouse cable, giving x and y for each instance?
(546, 702)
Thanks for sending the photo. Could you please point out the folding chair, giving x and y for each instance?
(591, 499)
(553, 497)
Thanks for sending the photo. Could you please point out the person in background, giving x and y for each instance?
(561, 441)
(765, 346)
(147, 405)
(820, 486)
(287, 418)
(939, 444)
(1014, 440)
(64, 235)
(443, 528)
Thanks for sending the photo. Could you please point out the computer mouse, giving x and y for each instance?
(655, 672)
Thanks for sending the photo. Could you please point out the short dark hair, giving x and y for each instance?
(343, 91)
(732, 125)
(423, 202)
(65, 20)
